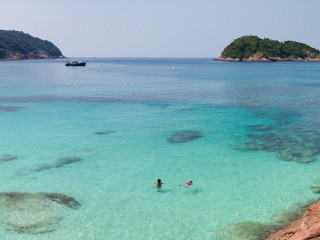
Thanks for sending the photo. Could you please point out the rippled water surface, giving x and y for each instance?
(99, 136)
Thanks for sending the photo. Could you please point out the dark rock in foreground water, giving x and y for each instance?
(248, 231)
(184, 136)
(7, 158)
(33, 213)
(297, 155)
(288, 144)
(66, 160)
(63, 199)
(103, 132)
(9, 109)
(260, 128)
(57, 164)
(315, 189)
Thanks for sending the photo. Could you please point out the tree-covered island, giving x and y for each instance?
(16, 45)
(255, 49)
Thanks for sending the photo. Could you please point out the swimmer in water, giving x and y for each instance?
(187, 184)
(158, 184)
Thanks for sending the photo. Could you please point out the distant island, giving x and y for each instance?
(255, 49)
(15, 45)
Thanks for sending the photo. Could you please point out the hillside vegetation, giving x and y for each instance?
(252, 48)
(15, 45)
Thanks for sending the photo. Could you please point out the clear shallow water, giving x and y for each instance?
(252, 117)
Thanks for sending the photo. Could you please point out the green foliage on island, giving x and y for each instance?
(254, 47)
(18, 45)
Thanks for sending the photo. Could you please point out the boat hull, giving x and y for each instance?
(76, 64)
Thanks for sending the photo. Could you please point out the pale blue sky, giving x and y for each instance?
(160, 28)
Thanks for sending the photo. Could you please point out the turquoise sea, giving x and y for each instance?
(247, 134)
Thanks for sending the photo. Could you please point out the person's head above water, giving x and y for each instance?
(158, 184)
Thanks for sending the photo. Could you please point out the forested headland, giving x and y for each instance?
(17, 45)
(255, 49)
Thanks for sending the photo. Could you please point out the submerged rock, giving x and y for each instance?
(290, 215)
(9, 109)
(63, 199)
(38, 225)
(41, 167)
(7, 158)
(103, 132)
(187, 109)
(19, 198)
(33, 213)
(288, 137)
(248, 231)
(66, 160)
(260, 128)
(184, 136)
(297, 155)
(302, 148)
(57, 164)
(315, 189)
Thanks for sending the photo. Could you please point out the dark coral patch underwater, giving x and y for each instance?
(288, 144)
(104, 132)
(260, 128)
(9, 109)
(8, 158)
(56, 164)
(184, 136)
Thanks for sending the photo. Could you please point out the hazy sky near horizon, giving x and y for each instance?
(160, 28)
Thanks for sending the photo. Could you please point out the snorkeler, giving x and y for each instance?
(158, 184)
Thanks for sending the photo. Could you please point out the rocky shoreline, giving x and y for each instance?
(300, 222)
(264, 59)
(14, 57)
(307, 227)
